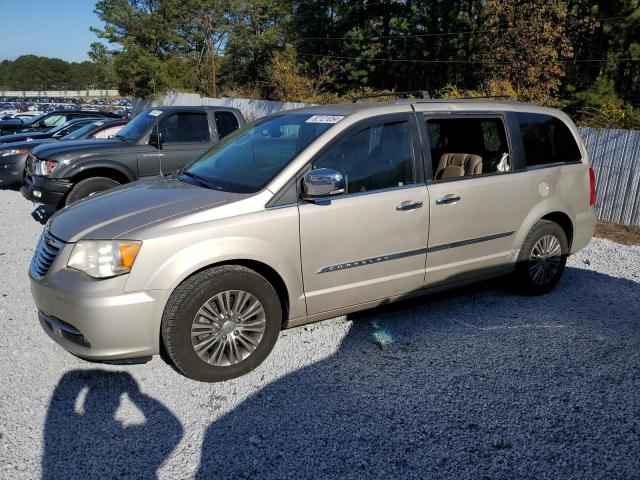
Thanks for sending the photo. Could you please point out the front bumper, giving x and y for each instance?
(50, 191)
(95, 319)
(12, 170)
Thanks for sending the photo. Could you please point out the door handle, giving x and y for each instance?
(408, 205)
(447, 199)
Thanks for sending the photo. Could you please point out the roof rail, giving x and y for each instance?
(484, 97)
(421, 94)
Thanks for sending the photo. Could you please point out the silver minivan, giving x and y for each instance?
(310, 214)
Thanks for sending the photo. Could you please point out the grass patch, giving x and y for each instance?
(618, 233)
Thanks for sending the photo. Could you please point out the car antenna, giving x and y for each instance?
(159, 143)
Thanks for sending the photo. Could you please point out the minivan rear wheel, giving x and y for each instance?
(89, 187)
(221, 323)
(542, 258)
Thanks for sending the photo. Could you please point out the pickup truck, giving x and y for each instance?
(156, 141)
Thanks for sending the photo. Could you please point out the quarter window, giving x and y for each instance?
(462, 147)
(226, 122)
(547, 140)
(186, 128)
(376, 157)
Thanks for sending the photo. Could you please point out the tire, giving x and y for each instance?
(539, 276)
(88, 187)
(204, 294)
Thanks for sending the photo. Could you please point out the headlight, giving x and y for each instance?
(45, 167)
(13, 151)
(104, 258)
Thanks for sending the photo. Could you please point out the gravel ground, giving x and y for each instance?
(476, 383)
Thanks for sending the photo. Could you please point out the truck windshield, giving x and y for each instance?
(133, 130)
(246, 160)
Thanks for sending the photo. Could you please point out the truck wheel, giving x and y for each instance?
(542, 258)
(221, 323)
(88, 187)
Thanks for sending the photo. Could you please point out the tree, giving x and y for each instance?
(525, 43)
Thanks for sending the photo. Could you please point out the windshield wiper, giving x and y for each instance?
(202, 181)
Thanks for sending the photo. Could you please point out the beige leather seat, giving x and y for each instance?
(458, 165)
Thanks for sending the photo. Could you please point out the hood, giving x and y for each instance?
(11, 122)
(79, 147)
(23, 137)
(29, 145)
(113, 214)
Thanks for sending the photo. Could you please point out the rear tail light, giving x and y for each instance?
(592, 184)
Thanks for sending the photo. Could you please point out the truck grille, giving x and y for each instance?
(46, 252)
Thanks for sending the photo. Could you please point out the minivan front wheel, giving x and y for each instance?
(542, 258)
(221, 323)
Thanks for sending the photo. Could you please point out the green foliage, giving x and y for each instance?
(609, 116)
(30, 72)
(601, 92)
(325, 50)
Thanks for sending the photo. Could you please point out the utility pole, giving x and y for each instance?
(214, 92)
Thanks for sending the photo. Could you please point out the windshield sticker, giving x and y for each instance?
(325, 119)
(155, 113)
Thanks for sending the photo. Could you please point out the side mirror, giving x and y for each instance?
(156, 139)
(321, 183)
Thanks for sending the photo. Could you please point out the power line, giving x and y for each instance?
(434, 34)
(474, 62)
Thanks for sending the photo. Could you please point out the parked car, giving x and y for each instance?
(310, 214)
(27, 115)
(47, 121)
(158, 140)
(13, 156)
(54, 132)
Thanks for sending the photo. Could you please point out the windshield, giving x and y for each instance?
(246, 160)
(138, 125)
(82, 131)
(62, 127)
(33, 120)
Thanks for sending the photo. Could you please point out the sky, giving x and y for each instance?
(48, 28)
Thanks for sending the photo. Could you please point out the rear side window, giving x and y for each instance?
(226, 122)
(185, 128)
(547, 140)
(467, 146)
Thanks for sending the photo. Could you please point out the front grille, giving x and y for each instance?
(30, 164)
(46, 252)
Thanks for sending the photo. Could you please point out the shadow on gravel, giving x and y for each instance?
(42, 213)
(84, 440)
(478, 383)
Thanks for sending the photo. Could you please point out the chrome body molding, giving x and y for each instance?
(372, 260)
(471, 241)
(410, 253)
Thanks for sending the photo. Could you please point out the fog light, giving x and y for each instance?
(37, 193)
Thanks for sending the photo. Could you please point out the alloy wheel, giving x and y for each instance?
(228, 328)
(545, 259)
